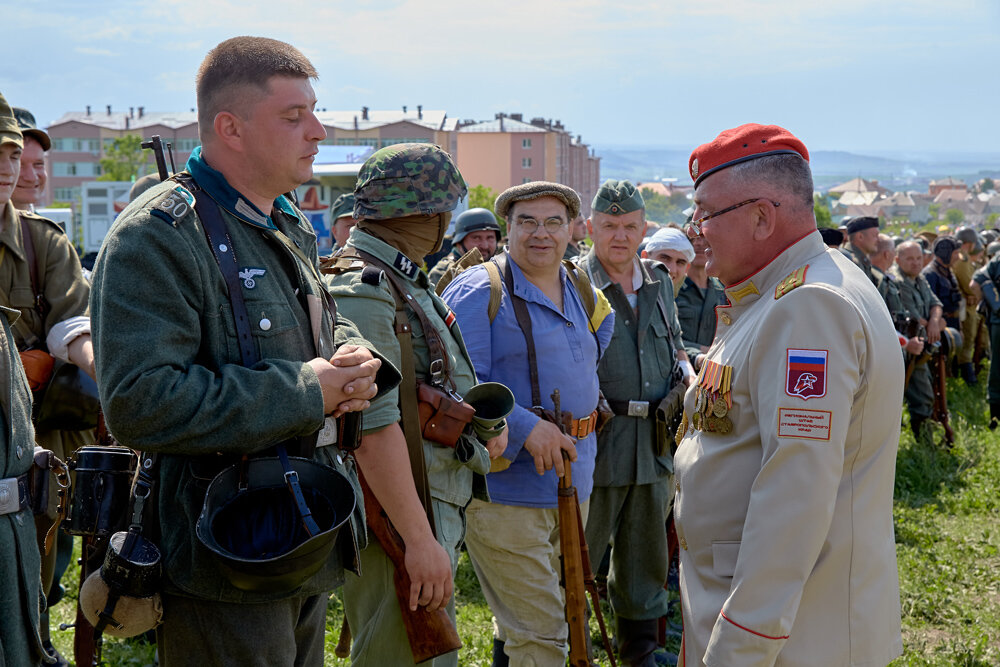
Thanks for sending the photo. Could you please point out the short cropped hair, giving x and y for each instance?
(237, 70)
(789, 173)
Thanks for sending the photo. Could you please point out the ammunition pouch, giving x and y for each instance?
(443, 415)
(574, 428)
(669, 413)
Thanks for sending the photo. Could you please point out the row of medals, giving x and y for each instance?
(713, 401)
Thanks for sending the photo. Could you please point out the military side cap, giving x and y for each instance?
(9, 131)
(29, 128)
(746, 142)
(861, 223)
(407, 179)
(617, 198)
(534, 190)
(342, 206)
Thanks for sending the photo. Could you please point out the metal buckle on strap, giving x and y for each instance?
(638, 409)
(583, 426)
(436, 372)
(10, 498)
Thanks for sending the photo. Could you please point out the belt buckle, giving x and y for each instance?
(582, 425)
(638, 409)
(10, 499)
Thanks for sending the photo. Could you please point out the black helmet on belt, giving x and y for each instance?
(474, 220)
(251, 522)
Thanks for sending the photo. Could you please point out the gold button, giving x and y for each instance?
(725, 318)
(684, 544)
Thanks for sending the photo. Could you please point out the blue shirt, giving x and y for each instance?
(567, 354)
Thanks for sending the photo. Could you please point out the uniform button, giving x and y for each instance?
(20, 451)
(19, 519)
(683, 543)
(265, 324)
(569, 324)
(647, 384)
(725, 318)
(641, 351)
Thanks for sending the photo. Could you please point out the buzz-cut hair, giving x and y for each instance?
(236, 72)
(789, 173)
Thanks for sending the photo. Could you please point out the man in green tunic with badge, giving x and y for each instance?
(643, 363)
(177, 374)
(403, 203)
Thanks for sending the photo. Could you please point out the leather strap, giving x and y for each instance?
(41, 305)
(524, 322)
(409, 414)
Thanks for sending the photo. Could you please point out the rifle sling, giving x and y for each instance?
(409, 414)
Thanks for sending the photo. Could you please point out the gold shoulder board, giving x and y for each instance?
(791, 281)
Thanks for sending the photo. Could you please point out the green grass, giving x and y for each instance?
(947, 517)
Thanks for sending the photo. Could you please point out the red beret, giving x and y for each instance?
(740, 144)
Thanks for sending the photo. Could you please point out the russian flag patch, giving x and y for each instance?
(806, 373)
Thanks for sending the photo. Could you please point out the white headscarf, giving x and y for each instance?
(669, 238)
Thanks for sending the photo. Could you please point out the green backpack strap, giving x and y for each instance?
(496, 289)
(583, 287)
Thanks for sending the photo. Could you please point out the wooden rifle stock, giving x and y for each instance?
(84, 644)
(430, 633)
(940, 411)
(578, 575)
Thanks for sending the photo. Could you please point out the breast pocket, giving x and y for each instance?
(664, 347)
(272, 325)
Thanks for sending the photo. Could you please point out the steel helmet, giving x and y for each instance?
(474, 220)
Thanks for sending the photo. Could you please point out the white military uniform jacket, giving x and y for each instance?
(784, 514)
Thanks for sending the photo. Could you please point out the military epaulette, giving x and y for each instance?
(172, 205)
(794, 279)
(34, 216)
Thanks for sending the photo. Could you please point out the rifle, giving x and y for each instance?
(940, 411)
(578, 576)
(155, 144)
(430, 633)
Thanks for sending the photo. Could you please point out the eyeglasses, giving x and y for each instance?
(695, 225)
(552, 225)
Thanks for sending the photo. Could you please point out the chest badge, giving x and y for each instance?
(805, 376)
(248, 274)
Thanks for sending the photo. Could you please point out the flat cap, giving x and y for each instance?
(534, 190)
(343, 206)
(746, 142)
(861, 223)
(9, 131)
(29, 128)
(617, 198)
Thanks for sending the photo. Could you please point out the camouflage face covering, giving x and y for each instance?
(407, 179)
(617, 198)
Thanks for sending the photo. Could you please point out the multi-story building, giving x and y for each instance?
(498, 154)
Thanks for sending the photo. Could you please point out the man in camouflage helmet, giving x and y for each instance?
(20, 643)
(342, 219)
(644, 362)
(60, 326)
(403, 202)
(475, 228)
(173, 379)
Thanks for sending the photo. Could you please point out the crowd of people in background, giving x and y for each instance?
(622, 341)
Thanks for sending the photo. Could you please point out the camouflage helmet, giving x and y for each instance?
(407, 179)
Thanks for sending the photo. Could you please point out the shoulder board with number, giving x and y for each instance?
(794, 279)
(173, 205)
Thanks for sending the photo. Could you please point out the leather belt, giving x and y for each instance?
(630, 408)
(14, 494)
(581, 428)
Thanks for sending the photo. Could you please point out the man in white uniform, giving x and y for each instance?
(787, 450)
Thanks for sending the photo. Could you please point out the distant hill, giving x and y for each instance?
(896, 171)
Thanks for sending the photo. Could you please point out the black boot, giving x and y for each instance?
(917, 425)
(500, 658)
(637, 643)
(994, 415)
(969, 374)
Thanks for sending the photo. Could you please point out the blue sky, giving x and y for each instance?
(894, 75)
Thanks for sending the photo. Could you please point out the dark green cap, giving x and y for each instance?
(29, 128)
(9, 131)
(617, 198)
(343, 206)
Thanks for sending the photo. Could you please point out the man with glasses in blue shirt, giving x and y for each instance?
(514, 539)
